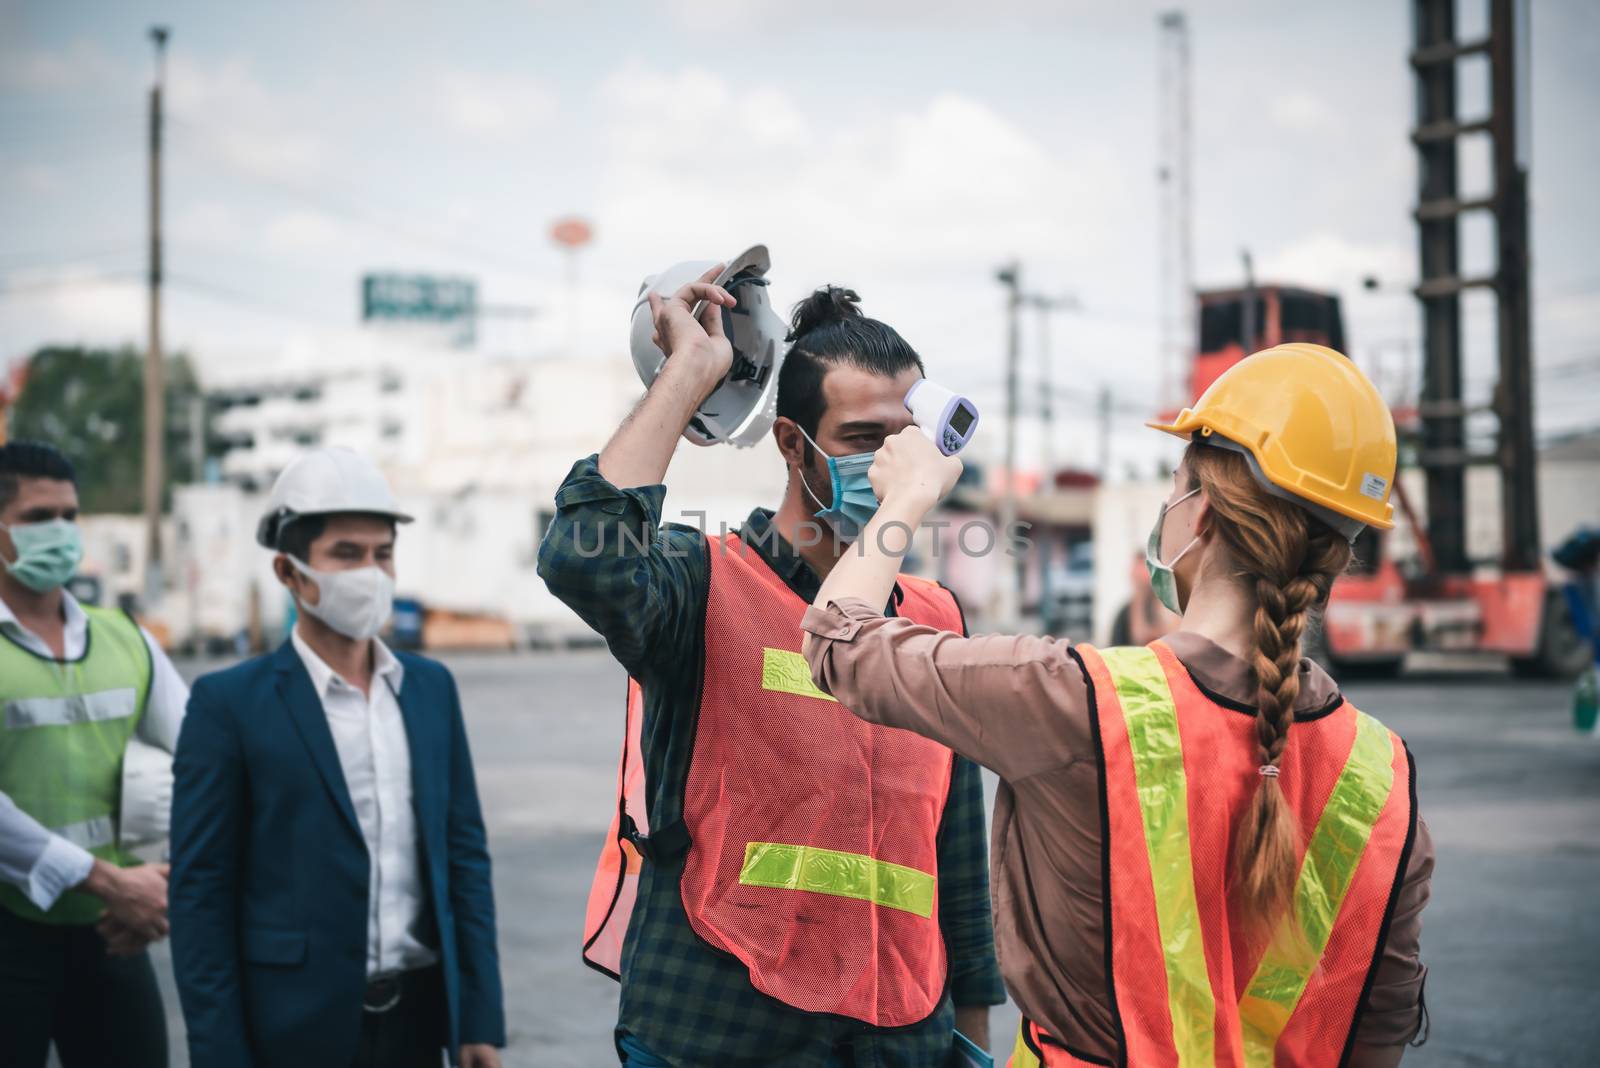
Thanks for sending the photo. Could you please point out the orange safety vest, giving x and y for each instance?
(1189, 990)
(809, 836)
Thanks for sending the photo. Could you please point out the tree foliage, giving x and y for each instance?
(89, 403)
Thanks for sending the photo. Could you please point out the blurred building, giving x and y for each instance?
(475, 446)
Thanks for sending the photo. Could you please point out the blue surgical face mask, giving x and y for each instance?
(1163, 582)
(47, 553)
(854, 503)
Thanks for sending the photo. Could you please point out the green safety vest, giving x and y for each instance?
(65, 726)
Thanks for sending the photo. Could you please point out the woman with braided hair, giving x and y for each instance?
(1203, 854)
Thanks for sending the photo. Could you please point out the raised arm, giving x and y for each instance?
(606, 555)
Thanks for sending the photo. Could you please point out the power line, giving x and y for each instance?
(44, 284)
(82, 263)
(58, 133)
(204, 288)
(70, 253)
(387, 226)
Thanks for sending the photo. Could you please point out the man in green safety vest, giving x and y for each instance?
(78, 686)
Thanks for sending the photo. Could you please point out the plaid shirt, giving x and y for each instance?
(642, 586)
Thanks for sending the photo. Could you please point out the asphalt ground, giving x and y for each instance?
(1512, 795)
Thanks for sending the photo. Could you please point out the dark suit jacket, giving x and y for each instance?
(268, 898)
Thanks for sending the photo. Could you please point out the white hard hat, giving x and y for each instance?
(741, 409)
(146, 811)
(322, 482)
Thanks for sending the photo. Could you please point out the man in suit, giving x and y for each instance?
(330, 897)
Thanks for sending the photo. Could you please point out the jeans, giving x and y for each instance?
(634, 1055)
(57, 985)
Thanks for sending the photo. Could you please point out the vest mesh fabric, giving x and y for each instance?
(1214, 782)
(775, 764)
(64, 729)
(780, 772)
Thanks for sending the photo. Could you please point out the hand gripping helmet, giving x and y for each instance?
(741, 409)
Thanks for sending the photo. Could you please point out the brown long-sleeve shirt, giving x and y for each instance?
(1020, 706)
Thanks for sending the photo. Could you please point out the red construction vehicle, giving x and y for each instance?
(1269, 314)
(1390, 604)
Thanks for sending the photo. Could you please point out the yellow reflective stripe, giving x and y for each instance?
(1335, 849)
(1157, 751)
(829, 871)
(1021, 1055)
(785, 672)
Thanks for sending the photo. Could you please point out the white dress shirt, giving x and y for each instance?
(370, 736)
(44, 865)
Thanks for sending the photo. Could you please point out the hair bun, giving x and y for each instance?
(830, 304)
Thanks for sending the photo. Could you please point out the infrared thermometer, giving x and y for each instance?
(946, 417)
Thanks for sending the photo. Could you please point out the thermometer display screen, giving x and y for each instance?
(961, 419)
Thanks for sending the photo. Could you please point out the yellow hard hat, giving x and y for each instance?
(1313, 426)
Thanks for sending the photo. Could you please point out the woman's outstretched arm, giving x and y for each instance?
(1018, 704)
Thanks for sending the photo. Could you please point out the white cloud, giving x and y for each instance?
(227, 113)
(79, 66)
(73, 305)
(1303, 112)
(1328, 260)
(208, 222)
(952, 179)
(914, 207)
(305, 231)
(755, 17)
(38, 179)
(498, 108)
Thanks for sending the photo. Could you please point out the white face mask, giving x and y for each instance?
(1163, 580)
(355, 603)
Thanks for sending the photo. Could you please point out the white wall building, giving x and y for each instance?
(475, 446)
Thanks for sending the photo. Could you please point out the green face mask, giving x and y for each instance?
(1163, 582)
(47, 553)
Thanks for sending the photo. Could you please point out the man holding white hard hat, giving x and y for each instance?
(778, 887)
(331, 898)
(90, 709)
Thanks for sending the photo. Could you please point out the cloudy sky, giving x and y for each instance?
(903, 148)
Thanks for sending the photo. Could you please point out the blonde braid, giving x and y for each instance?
(1289, 561)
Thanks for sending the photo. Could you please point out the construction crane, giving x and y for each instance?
(1444, 599)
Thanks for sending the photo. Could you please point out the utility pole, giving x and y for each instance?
(1105, 433)
(1045, 305)
(154, 377)
(1047, 408)
(1249, 327)
(1008, 594)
